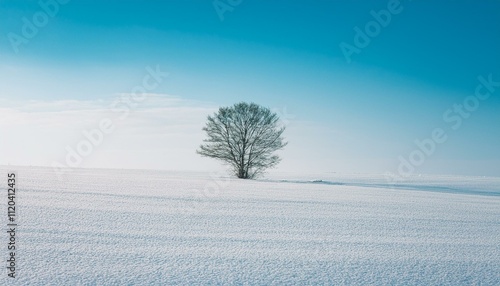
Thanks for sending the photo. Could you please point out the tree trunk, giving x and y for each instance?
(241, 172)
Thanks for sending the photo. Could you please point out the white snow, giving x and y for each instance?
(125, 227)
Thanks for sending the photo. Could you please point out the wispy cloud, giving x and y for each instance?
(37, 132)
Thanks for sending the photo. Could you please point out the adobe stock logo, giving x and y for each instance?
(454, 116)
(123, 105)
(31, 27)
(223, 6)
(363, 37)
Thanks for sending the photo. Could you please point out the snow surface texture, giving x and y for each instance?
(123, 227)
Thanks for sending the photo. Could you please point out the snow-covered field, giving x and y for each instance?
(123, 227)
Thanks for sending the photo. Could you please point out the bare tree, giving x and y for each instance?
(244, 136)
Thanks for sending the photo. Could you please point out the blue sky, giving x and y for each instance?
(357, 116)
